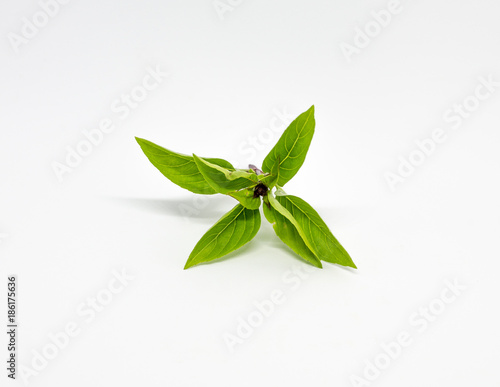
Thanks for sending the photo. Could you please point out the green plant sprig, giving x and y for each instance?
(295, 222)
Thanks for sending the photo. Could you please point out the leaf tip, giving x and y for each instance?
(188, 264)
(347, 263)
(198, 159)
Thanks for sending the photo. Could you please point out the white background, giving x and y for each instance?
(228, 75)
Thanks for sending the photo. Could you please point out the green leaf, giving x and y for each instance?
(288, 230)
(223, 180)
(325, 245)
(230, 232)
(290, 151)
(178, 168)
(246, 198)
(268, 210)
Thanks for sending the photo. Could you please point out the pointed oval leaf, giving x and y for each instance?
(223, 180)
(288, 230)
(326, 246)
(230, 232)
(178, 168)
(290, 151)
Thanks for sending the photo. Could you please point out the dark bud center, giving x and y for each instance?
(260, 190)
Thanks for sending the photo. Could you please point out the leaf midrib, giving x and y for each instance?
(295, 142)
(215, 238)
(312, 221)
